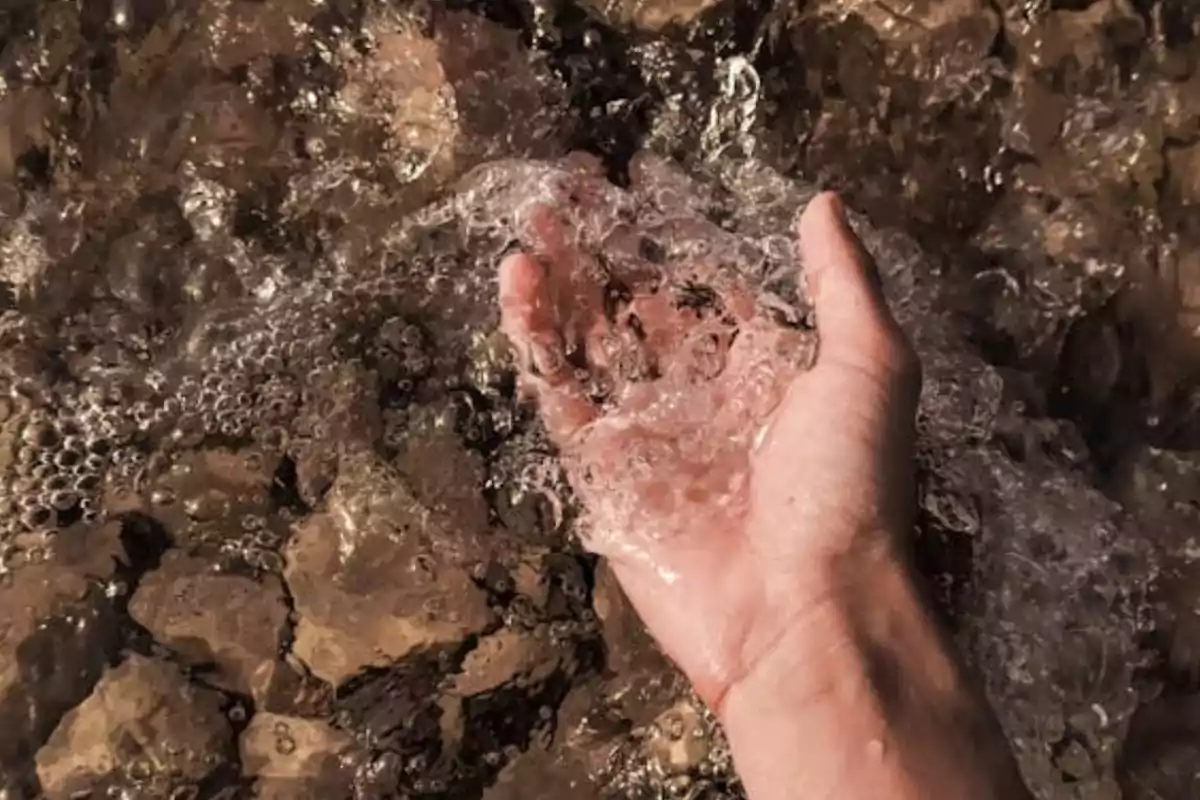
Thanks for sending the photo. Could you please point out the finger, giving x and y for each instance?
(530, 321)
(576, 294)
(856, 327)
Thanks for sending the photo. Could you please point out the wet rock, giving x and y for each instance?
(631, 651)
(652, 15)
(953, 34)
(292, 757)
(1184, 171)
(506, 657)
(447, 100)
(679, 742)
(368, 586)
(241, 31)
(445, 477)
(233, 622)
(145, 724)
(58, 629)
(544, 774)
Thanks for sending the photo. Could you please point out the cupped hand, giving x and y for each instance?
(734, 483)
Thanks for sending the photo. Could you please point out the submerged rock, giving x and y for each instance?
(369, 588)
(290, 758)
(144, 725)
(58, 629)
(652, 16)
(232, 622)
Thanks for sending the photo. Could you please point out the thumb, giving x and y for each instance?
(856, 327)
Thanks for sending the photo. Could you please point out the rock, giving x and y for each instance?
(911, 21)
(449, 100)
(504, 657)
(631, 649)
(143, 723)
(565, 766)
(232, 621)
(377, 577)
(293, 757)
(203, 496)
(445, 476)
(680, 739)
(538, 774)
(1183, 170)
(58, 628)
(652, 15)
(241, 31)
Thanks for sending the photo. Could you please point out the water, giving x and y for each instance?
(256, 418)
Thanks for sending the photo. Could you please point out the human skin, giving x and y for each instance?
(774, 574)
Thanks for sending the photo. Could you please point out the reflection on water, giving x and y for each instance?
(275, 523)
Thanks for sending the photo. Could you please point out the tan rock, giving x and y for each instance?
(906, 21)
(680, 740)
(143, 720)
(503, 657)
(372, 579)
(651, 15)
(294, 757)
(57, 631)
(209, 617)
(448, 101)
(402, 84)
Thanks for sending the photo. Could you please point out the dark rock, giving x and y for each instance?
(58, 629)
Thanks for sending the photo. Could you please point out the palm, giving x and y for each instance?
(709, 459)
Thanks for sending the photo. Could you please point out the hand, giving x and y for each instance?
(734, 489)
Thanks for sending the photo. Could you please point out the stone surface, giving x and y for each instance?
(234, 622)
(446, 100)
(367, 587)
(294, 757)
(505, 657)
(57, 630)
(652, 15)
(144, 723)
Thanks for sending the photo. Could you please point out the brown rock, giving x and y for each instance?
(57, 631)
(375, 578)
(448, 101)
(209, 617)
(1183, 169)
(652, 15)
(445, 476)
(144, 722)
(906, 21)
(631, 649)
(680, 739)
(293, 757)
(505, 656)
(242, 31)
(565, 766)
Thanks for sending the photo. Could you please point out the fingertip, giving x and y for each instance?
(823, 215)
(520, 277)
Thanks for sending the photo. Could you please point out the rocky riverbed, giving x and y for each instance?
(274, 522)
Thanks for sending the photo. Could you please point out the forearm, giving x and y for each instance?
(878, 708)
